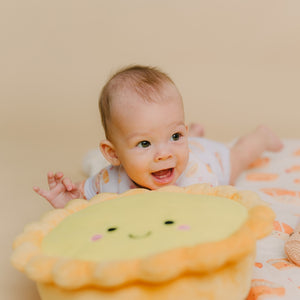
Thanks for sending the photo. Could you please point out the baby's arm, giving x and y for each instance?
(61, 190)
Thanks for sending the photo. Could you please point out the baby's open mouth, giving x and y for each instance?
(164, 176)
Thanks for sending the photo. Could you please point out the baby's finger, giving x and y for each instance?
(68, 184)
(41, 192)
(51, 180)
(59, 175)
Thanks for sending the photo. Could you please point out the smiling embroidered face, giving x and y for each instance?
(140, 236)
(140, 225)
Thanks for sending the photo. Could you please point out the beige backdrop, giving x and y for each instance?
(236, 63)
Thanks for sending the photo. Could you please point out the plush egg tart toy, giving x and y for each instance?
(173, 243)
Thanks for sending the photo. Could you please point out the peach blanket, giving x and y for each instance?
(276, 177)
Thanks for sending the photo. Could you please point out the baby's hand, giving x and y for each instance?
(61, 190)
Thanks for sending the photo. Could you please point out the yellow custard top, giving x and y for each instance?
(140, 225)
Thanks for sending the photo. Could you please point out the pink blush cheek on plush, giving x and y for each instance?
(183, 227)
(96, 237)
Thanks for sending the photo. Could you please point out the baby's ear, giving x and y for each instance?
(109, 152)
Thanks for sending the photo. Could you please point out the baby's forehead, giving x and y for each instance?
(125, 94)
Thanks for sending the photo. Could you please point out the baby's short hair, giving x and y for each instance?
(144, 80)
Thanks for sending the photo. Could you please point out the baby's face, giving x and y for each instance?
(150, 139)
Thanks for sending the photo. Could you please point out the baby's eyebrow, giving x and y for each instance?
(179, 125)
(138, 135)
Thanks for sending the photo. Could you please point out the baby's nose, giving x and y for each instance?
(163, 154)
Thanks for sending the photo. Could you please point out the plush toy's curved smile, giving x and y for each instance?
(134, 236)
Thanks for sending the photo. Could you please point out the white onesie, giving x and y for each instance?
(209, 162)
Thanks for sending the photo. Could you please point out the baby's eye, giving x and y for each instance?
(144, 144)
(176, 136)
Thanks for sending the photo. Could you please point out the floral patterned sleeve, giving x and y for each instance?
(91, 186)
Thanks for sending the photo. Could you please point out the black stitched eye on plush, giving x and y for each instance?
(112, 229)
(169, 222)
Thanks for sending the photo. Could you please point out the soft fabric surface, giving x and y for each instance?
(141, 225)
(276, 177)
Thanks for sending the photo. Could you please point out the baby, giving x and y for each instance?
(148, 146)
